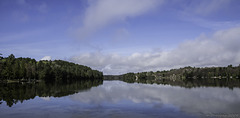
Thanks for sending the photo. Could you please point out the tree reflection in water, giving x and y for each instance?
(13, 93)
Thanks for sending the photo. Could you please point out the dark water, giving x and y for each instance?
(114, 99)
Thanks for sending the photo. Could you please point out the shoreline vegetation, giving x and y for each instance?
(25, 78)
(186, 77)
(29, 70)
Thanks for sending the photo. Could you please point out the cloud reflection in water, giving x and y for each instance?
(195, 100)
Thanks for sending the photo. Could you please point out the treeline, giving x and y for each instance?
(27, 69)
(186, 73)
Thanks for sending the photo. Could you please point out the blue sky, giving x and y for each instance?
(118, 36)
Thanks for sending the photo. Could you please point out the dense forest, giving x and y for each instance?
(185, 74)
(27, 69)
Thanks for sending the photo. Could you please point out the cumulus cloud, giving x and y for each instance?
(46, 58)
(218, 49)
(101, 13)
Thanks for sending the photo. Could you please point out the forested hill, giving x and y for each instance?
(27, 69)
(186, 73)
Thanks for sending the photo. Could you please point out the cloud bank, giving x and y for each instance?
(101, 13)
(218, 49)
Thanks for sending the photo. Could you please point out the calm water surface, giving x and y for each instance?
(115, 99)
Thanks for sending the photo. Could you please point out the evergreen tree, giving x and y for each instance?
(28, 69)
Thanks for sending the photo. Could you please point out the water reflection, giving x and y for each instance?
(191, 82)
(12, 93)
(200, 101)
(116, 99)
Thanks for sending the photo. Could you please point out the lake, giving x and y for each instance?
(114, 99)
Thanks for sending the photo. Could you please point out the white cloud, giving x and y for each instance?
(101, 13)
(46, 58)
(220, 49)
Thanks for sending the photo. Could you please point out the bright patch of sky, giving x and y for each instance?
(119, 36)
